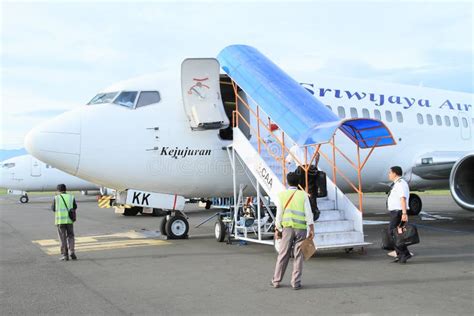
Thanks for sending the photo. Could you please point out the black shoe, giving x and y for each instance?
(296, 288)
(64, 258)
(404, 259)
(396, 259)
(73, 256)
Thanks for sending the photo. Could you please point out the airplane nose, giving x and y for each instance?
(57, 141)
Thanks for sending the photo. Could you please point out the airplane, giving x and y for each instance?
(161, 150)
(25, 173)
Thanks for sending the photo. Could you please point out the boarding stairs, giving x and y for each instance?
(340, 222)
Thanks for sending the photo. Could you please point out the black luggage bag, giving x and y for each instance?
(321, 184)
(409, 236)
(387, 239)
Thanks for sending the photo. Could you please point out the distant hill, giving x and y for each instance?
(9, 153)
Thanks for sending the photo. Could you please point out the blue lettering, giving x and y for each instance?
(358, 95)
(394, 99)
(410, 102)
(448, 104)
(322, 92)
(424, 102)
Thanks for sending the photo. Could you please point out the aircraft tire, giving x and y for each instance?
(163, 226)
(177, 227)
(415, 204)
(24, 199)
(219, 230)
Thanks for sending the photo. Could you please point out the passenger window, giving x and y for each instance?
(354, 113)
(126, 98)
(148, 97)
(429, 119)
(464, 122)
(377, 115)
(8, 165)
(439, 121)
(420, 118)
(341, 112)
(447, 121)
(388, 116)
(365, 113)
(455, 121)
(399, 117)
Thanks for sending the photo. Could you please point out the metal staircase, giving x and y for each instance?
(339, 225)
(272, 114)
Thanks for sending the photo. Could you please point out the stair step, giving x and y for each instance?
(333, 226)
(338, 238)
(331, 215)
(326, 204)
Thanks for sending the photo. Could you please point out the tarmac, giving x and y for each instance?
(126, 268)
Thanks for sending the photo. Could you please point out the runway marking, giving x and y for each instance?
(105, 242)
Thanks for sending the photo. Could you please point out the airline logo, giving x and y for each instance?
(382, 99)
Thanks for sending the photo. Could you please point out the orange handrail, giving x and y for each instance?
(238, 117)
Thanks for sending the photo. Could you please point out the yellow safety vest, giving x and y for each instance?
(61, 214)
(294, 215)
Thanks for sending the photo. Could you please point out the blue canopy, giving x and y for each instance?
(299, 114)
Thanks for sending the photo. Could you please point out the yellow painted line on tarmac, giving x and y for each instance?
(109, 245)
(103, 242)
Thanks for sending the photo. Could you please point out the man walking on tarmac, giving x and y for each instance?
(292, 220)
(63, 204)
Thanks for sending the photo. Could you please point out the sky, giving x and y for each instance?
(58, 55)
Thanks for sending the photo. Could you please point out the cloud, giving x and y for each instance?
(58, 55)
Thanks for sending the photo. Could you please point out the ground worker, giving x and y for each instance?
(296, 159)
(63, 204)
(293, 218)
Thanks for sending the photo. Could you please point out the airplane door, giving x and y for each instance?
(465, 123)
(201, 94)
(35, 168)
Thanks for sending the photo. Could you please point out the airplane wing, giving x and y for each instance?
(436, 165)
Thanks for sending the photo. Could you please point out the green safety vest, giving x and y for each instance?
(294, 215)
(61, 214)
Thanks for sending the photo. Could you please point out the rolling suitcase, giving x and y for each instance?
(321, 184)
(387, 239)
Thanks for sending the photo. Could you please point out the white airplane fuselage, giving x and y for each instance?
(27, 174)
(153, 148)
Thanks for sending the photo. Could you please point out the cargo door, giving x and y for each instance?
(201, 94)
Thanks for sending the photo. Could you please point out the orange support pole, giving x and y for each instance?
(359, 178)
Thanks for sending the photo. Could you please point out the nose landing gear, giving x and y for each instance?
(175, 226)
(24, 198)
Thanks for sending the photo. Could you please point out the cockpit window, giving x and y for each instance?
(126, 98)
(103, 98)
(8, 165)
(148, 97)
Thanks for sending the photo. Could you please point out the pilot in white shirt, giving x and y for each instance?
(397, 204)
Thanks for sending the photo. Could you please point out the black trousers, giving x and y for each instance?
(395, 221)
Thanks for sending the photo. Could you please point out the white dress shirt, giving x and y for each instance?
(400, 189)
(307, 211)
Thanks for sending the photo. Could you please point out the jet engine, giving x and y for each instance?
(461, 182)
